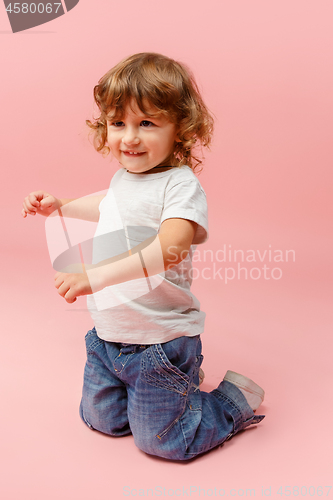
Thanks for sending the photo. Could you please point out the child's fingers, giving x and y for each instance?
(70, 299)
(25, 213)
(33, 200)
(58, 279)
(47, 202)
(30, 204)
(39, 202)
(67, 292)
(28, 211)
(64, 287)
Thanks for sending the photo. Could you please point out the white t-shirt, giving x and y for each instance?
(160, 308)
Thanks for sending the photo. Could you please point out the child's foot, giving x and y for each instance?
(201, 375)
(253, 393)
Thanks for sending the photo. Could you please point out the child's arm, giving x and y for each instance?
(170, 247)
(43, 203)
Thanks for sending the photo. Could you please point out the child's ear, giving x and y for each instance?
(177, 138)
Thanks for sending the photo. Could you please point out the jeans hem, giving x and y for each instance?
(240, 410)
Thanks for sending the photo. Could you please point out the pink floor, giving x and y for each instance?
(278, 332)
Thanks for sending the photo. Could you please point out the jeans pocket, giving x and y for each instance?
(159, 372)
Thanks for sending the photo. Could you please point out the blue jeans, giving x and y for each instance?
(152, 391)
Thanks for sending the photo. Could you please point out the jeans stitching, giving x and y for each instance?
(163, 385)
(171, 376)
(127, 358)
(170, 366)
(93, 346)
(166, 430)
(224, 397)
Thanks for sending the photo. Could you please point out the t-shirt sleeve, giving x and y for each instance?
(187, 200)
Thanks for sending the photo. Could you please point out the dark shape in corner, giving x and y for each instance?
(23, 16)
(70, 4)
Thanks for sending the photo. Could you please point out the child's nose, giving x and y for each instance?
(131, 136)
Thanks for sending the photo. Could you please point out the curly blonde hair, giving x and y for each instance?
(157, 81)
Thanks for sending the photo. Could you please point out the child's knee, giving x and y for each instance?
(166, 446)
(105, 424)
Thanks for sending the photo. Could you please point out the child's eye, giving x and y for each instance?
(146, 123)
(117, 124)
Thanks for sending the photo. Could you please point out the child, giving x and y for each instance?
(144, 352)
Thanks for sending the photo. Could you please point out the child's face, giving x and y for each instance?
(140, 142)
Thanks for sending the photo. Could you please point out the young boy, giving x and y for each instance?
(144, 352)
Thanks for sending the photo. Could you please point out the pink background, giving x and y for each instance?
(265, 69)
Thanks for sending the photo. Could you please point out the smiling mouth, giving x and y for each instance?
(133, 153)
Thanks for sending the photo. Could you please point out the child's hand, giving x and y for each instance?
(40, 202)
(71, 286)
